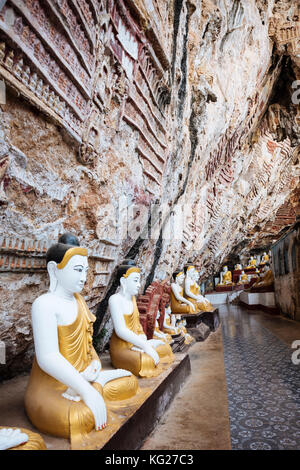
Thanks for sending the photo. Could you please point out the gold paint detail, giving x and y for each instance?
(130, 271)
(71, 252)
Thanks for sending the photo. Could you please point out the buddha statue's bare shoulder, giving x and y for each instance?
(44, 303)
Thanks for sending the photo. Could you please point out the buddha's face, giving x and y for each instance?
(191, 273)
(73, 276)
(132, 283)
(225, 269)
(180, 279)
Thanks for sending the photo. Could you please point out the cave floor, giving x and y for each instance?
(244, 390)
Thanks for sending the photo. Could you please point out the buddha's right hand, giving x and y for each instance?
(152, 353)
(96, 404)
(92, 371)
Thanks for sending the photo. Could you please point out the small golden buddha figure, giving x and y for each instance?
(243, 278)
(252, 263)
(226, 277)
(192, 291)
(238, 267)
(267, 279)
(129, 347)
(67, 390)
(265, 258)
(179, 304)
(181, 324)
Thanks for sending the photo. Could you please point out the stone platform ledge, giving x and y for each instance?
(136, 422)
(217, 298)
(259, 300)
(211, 319)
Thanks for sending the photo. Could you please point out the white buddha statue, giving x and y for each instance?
(158, 334)
(243, 278)
(67, 388)
(226, 277)
(265, 258)
(179, 304)
(192, 291)
(169, 325)
(129, 346)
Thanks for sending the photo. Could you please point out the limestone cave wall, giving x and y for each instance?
(163, 131)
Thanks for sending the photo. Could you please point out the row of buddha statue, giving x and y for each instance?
(69, 394)
(258, 270)
(186, 297)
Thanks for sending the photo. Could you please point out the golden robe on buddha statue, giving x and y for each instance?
(266, 281)
(139, 363)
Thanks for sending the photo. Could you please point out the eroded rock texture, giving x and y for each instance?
(163, 131)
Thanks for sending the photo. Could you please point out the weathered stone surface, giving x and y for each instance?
(114, 109)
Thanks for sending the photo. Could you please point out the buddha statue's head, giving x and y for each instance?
(178, 277)
(67, 264)
(225, 269)
(190, 270)
(129, 276)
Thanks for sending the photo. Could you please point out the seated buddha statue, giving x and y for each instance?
(243, 278)
(169, 325)
(252, 263)
(67, 390)
(206, 306)
(158, 334)
(129, 347)
(267, 279)
(192, 291)
(181, 324)
(226, 277)
(265, 258)
(238, 267)
(179, 304)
